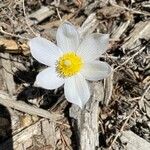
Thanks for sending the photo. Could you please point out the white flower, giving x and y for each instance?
(72, 62)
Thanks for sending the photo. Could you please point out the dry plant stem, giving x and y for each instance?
(59, 14)
(108, 87)
(64, 141)
(112, 57)
(147, 89)
(129, 9)
(125, 62)
(13, 35)
(142, 98)
(23, 107)
(26, 19)
(128, 117)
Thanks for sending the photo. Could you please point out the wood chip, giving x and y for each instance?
(11, 46)
(134, 142)
(89, 25)
(7, 73)
(108, 87)
(117, 32)
(40, 15)
(141, 30)
(8, 44)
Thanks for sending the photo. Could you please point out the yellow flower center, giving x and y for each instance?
(69, 64)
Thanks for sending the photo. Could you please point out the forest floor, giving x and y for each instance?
(32, 118)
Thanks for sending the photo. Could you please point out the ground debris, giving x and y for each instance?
(118, 115)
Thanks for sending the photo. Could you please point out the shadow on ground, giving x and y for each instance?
(5, 129)
(45, 98)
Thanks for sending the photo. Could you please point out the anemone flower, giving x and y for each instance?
(72, 62)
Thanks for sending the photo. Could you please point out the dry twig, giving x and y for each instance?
(13, 35)
(129, 9)
(125, 62)
(59, 14)
(26, 19)
(23, 107)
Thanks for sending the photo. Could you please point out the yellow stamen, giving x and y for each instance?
(69, 64)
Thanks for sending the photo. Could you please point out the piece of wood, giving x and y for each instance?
(141, 30)
(133, 141)
(6, 101)
(49, 132)
(3, 86)
(7, 73)
(8, 44)
(118, 31)
(86, 120)
(11, 46)
(108, 87)
(89, 25)
(40, 15)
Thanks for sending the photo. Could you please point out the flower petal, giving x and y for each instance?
(48, 79)
(93, 46)
(67, 37)
(96, 70)
(44, 51)
(77, 90)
